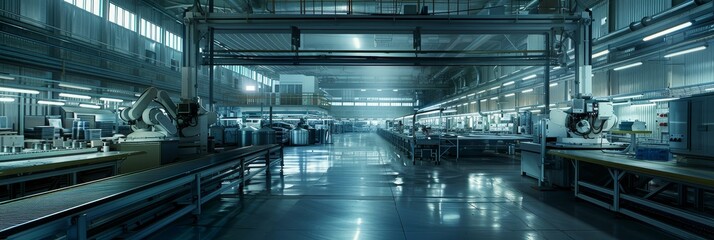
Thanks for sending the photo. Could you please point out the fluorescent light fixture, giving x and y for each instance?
(627, 97)
(662, 100)
(6, 77)
(484, 100)
(449, 111)
(558, 67)
(496, 87)
(627, 66)
(527, 90)
(64, 85)
(110, 99)
(482, 91)
(395, 90)
(494, 98)
(250, 88)
(553, 84)
(524, 108)
(7, 99)
(535, 111)
(509, 83)
(510, 95)
(474, 102)
(17, 90)
(601, 53)
(379, 90)
(691, 50)
(532, 76)
(357, 43)
(621, 103)
(462, 97)
(471, 95)
(137, 95)
(509, 110)
(89, 106)
(643, 104)
(551, 105)
(668, 31)
(709, 89)
(363, 90)
(54, 103)
(69, 95)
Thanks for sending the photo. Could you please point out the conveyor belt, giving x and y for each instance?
(25, 213)
(670, 170)
(9, 168)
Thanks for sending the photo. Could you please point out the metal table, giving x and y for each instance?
(623, 185)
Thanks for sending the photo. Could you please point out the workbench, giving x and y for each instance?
(132, 206)
(669, 195)
(22, 171)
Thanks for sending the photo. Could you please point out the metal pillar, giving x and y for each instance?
(189, 70)
(582, 84)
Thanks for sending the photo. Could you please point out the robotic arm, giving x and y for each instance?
(148, 121)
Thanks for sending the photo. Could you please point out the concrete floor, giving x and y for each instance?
(359, 188)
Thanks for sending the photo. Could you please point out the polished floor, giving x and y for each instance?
(360, 188)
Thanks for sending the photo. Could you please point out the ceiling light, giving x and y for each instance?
(662, 100)
(643, 104)
(627, 97)
(527, 90)
(668, 31)
(551, 105)
(691, 50)
(357, 43)
(627, 66)
(509, 83)
(55, 103)
(482, 91)
(484, 100)
(64, 85)
(524, 108)
(474, 102)
(471, 95)
(395, 90)
(69, 95)
(709, 89)
(601, 53)
(496, 87)
(621, 103)
(449, 111)
(137, 95)
(494, 98)
(250, 88)
(17, 90)
(7, 99)
(556, 68)
(510, 95)
(110, 99)
(379, 90)
(6, 77)
(553, 84)
(509, 110)
(532, 76)
(363, 90)
(535, 111)
(89, 106)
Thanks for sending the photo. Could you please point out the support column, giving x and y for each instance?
(582, 84)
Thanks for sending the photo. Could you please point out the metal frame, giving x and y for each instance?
(617, 194)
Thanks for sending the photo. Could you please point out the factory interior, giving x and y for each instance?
(356, 119)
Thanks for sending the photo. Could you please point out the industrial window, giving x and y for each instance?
(122, 17)
(92, 6)
(173, 41)
(150, 30)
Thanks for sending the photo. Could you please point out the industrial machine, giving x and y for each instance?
(583, 123)
(155, 117)
(691, 128)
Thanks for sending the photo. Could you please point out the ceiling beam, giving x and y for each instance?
(380, 61)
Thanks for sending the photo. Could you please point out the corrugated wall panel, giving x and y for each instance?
(694, 68)
(600, 20)
(634, 10)
(645, 114)
(651, 75)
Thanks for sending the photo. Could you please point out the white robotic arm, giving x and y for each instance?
(148, 121)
